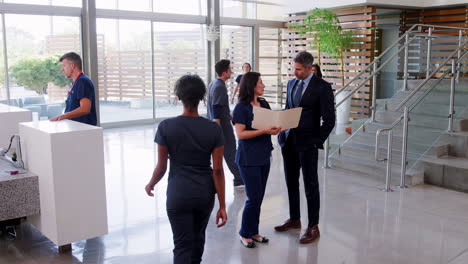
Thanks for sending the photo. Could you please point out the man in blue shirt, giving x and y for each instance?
(80, 103)
(218, 110)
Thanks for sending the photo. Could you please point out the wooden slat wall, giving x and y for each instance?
(362, 22)
(445, 43)
(127, 74)
(270, 61)
(59, 45)
(236, 47)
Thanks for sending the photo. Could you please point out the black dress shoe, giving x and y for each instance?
(289, 224)
(311, 234)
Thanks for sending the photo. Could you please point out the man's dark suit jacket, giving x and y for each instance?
(317, 101)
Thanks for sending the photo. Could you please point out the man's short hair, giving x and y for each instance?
(304, 58)
(73, 58)
(222, 66)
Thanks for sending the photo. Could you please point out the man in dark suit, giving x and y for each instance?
(300, 145)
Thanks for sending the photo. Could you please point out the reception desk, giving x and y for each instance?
(68, 158)
(19, 194)
(10, 117)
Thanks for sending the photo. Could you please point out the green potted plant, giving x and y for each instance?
(329, 37)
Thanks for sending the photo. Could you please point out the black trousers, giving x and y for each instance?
(230, 150)
(255, 179)
(293, 161)
(189, 218)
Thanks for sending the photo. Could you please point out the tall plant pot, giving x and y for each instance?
(342, 112)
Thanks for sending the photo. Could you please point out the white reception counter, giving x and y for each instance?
(10, 117)
(68, 158)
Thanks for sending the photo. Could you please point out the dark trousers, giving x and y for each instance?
(188, 218)
(293, 161)
(255, 179)
(230, 150)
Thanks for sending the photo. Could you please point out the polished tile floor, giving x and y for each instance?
(359, 224)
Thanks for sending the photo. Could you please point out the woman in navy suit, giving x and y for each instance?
(253, 155)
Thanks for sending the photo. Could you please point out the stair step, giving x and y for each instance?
(416, 145)
(375, 169)
(415, 119)
(457, 141)
(434, 97)
(368, 152)
(444, 85)
(448, 172)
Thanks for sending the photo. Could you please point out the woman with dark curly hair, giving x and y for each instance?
(190, 141)
(253, 155)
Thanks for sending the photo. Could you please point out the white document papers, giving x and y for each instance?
(286, 119)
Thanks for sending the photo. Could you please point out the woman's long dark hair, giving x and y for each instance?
(319, 72)
(247, 87)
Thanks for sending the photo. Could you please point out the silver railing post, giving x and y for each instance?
(460, 38)
(452, 97)
(405, 65)
(374, 90)
(325, 153)
(388, 174)
(404, 149)
(429, 48)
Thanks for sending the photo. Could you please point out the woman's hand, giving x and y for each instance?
(273, 130)
(149, 189)
(221, 216)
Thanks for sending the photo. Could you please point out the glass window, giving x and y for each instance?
(270, 59)
(72, 3)
(186, 7)
(130, 5)
(238, 8)
(3, 92)
(124, 65)
(179, 49)
(236, 46)
(270, 12)
(34, 45)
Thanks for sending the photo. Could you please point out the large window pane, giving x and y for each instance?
(272, 11)
(238, 8)
(130, 5)
(124, 64)
(187, 7)
(179, 49)
(270, 59)
(236, 46)
(74, 3)
(3, 93)
(34, 45)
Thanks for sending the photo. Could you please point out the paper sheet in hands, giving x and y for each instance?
(286, 119)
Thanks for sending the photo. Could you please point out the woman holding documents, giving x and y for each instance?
(253, 155)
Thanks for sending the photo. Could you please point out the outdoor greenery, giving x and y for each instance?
(36, 73)
(328, 35)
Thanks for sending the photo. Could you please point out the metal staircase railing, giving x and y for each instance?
(353, 86)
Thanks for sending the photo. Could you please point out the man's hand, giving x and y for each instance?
(57, 118)
(217, 120)
(221, 216)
